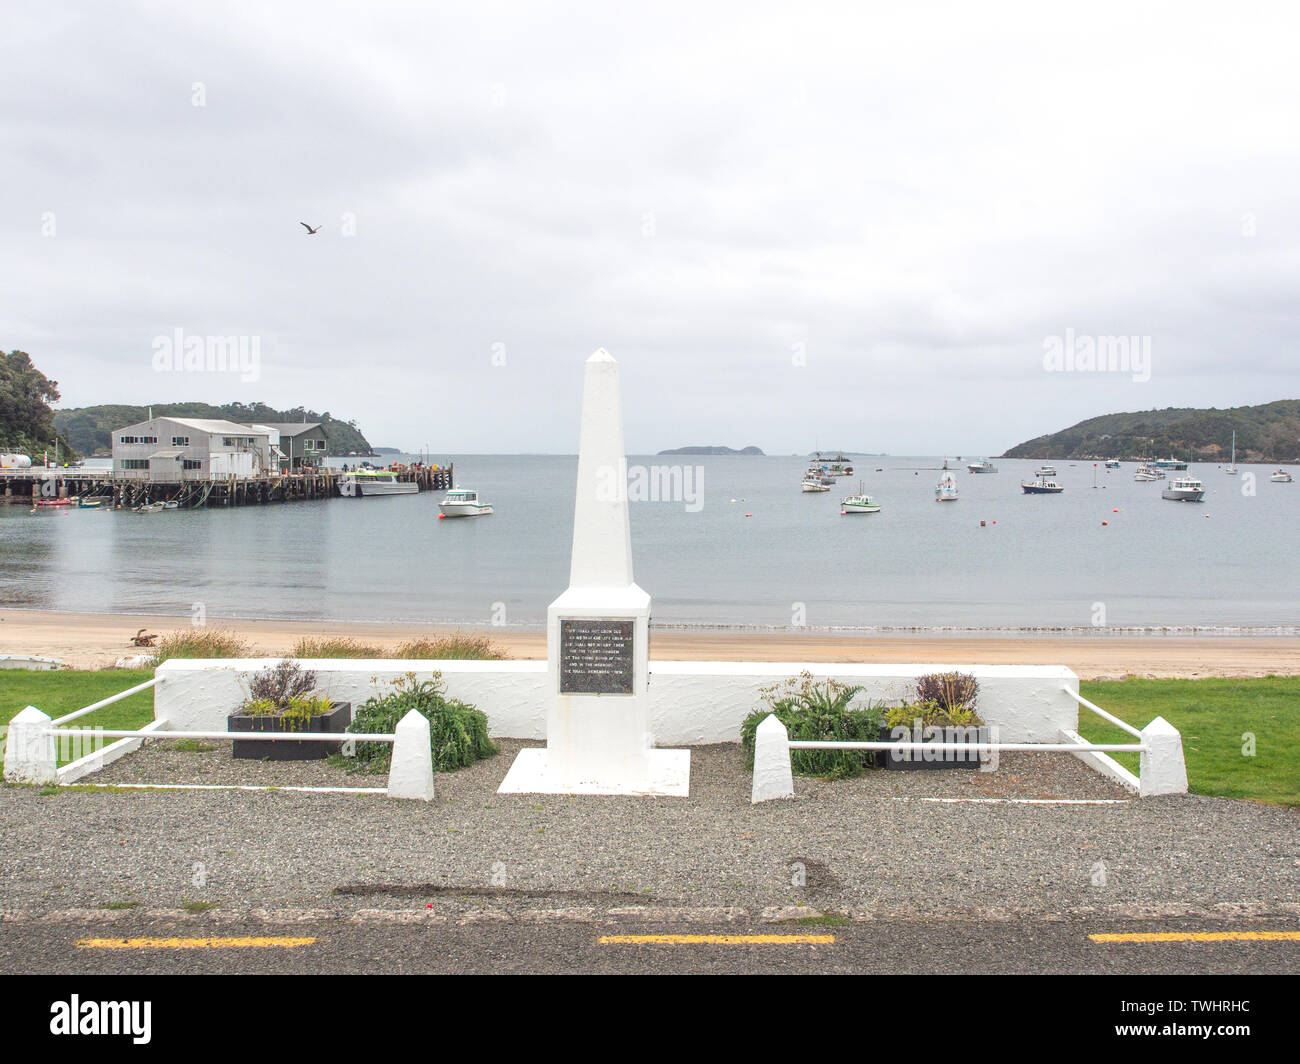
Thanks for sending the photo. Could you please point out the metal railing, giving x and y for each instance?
(106, 702)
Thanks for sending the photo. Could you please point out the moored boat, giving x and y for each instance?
(1112, 463)
(1169, 463)
(946, 489)
(1041, 485)
(814, 482)
(860, 503)
(365, 482)
(463, 502)
(983, 465)
(1148, 472)
(1184, 489)
(1281, 477)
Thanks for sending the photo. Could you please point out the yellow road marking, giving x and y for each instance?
(193, 943)
(1200, 936)
(717, 940)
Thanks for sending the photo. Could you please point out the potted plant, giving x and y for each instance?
(942, 712)
(282, 699)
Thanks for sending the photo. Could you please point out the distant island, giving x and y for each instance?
(89, 429)
(712, 450)
(1268, 433)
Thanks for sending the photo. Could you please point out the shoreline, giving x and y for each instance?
(93, 640)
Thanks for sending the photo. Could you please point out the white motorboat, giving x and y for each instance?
(982, 466)
(1112, 463)
(1041, 485)
(463, 502)
(360, 483)
(1148, 472)
(1184, 489)
(946, 489)
(861, 503)
(813, 482)
(1045, 471)
(1281, 477)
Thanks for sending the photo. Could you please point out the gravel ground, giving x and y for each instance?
(873, 845)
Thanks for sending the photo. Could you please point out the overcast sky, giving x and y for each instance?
(794, 225)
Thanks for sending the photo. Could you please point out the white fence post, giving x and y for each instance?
(773, 777)
(29, 749)
(411, 772)
(1162, 769)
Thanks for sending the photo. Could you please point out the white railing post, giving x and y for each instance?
(411, 772)
(773, 777)
(30, 755)
(1162, 769)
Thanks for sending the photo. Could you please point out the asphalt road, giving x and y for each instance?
(998, 947)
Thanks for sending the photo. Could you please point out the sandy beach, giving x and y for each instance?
(87, 641)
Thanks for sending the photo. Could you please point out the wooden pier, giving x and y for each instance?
(28, 486)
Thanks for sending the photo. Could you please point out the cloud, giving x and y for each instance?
(913, 198)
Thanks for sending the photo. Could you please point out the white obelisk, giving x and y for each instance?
(598, 738)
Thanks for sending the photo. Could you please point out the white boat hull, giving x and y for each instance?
(401, 487)
(464, 509)
(1183, 494)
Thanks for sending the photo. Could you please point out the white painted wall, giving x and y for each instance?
(691, 702)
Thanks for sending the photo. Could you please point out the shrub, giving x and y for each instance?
(456, 645)
(818, 712)
(343, 647)
(931, 714)
(285, 690)
(951, 690)
(458, 732)
(280, 683)
(201, 643)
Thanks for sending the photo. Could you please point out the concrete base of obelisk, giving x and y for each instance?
(600, 743)
(668, 776)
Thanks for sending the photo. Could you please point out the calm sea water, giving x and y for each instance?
(757, 554)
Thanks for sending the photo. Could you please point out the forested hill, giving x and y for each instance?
(90, 428)
(1267, 433)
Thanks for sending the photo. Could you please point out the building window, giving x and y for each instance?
(180, 441)
(191, 463)
(135, 463)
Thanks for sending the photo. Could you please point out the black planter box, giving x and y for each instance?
(916, 760)
(336, 720)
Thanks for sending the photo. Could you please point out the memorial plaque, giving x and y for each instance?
(596, 656)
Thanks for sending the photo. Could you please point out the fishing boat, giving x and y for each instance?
(365, 482)
(946, 489)
(1281, 477)
(1148, 472)
(1045, 471)
(463, 502)
(839, 466)
(1112, 463)
(813, 481)
(982, 466)
(1169, 463)
(1041, 485)
(1184, 489)
(861, 503)
(1231, 468)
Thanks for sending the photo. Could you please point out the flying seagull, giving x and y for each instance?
(310, 230)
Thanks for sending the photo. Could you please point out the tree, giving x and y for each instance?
(26, 419)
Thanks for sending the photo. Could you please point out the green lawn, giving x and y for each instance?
(65, 690)
(1214, 717)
